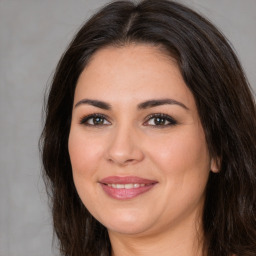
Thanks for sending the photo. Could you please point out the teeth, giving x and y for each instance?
(126, 186)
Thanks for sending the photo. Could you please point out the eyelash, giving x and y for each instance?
(163, 118)
(171, 121)
(84, 120)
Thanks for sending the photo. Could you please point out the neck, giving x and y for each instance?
(176, 240)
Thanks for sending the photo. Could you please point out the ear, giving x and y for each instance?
(215, 165)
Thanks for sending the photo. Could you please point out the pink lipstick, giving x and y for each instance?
(126, 187)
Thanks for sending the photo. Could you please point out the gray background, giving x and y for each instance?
(33, 36)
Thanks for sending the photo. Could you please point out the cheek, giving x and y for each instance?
(182, 153)
(184, 163)
(85, 155)
(84, 152)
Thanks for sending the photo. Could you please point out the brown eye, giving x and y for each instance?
(95, 120)
(160, 120)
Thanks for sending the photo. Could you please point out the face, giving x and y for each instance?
(138, 151)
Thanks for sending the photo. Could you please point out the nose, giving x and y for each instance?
(124, 147)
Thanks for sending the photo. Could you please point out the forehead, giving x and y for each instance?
(132, 72)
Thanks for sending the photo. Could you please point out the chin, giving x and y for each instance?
(131, 229)
(126, 223)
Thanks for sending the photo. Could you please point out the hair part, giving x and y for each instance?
(226, 108)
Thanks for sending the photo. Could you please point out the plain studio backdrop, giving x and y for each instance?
(34, 34)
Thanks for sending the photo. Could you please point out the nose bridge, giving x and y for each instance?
(124, 145)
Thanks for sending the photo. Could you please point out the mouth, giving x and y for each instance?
(126, 187)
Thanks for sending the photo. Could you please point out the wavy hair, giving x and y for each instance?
(226, 108)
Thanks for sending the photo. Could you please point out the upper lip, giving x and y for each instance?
(126, 180)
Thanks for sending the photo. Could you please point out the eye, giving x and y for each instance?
(160, 120)
(94, 120)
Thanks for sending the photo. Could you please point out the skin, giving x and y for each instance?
(166, 220)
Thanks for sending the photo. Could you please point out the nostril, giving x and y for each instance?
(123, 162)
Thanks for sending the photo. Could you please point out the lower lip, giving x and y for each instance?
(123, 193)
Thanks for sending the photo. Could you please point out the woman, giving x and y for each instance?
(149, 139)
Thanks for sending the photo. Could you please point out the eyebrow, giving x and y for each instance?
(95, 103)
(143, 105)
(159, 102)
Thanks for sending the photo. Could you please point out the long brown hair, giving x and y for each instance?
(225, 104)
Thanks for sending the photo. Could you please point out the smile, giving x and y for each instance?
(126, 187)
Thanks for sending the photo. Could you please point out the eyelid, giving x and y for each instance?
(84, 119)
(171, 120)
(161, 115)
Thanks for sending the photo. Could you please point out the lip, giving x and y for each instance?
(123, 193)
